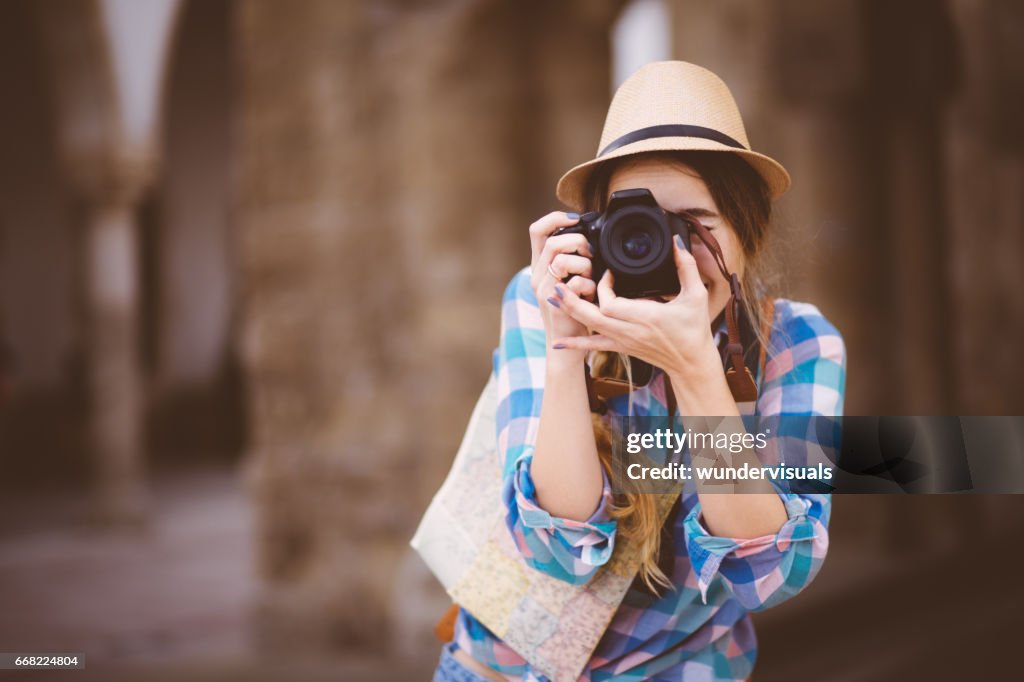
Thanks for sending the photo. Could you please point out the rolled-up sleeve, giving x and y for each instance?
(565, 549)
(763, 571)
(805, 376)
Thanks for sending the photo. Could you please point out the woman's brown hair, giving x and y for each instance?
(743, 200)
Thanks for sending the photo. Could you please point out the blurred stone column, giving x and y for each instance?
(106, 64)
(984, 176)
(323, 299)
(911, 76)
(984, 150)
(109, 300)
(391, 158)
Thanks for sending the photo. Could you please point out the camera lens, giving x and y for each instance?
(634, 241)
(636, 244)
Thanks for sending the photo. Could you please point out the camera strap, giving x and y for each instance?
(741, 381)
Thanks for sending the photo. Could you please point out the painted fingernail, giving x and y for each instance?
(679, 241)
(555, 302)
(558, 346)
(559, 293)
(572, 216)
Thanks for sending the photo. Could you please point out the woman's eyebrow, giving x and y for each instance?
(698, 212)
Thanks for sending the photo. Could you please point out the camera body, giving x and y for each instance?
(633, 239)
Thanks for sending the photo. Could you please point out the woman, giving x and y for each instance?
(672, 128)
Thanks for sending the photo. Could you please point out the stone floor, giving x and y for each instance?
(166, 602)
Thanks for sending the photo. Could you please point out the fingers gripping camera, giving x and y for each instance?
(633, 239)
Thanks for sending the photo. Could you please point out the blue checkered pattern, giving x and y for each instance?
(702, 630)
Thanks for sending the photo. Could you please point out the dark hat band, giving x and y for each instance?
(672, 130)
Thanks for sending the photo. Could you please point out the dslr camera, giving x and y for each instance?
(633, 239)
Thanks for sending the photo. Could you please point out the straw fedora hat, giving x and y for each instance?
(671, 106)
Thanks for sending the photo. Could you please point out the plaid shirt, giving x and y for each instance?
(702, 630)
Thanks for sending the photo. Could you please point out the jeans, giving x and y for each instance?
(449, 669)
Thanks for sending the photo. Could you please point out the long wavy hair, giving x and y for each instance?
(742, 199)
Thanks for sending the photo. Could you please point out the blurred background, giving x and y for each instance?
(251, 259)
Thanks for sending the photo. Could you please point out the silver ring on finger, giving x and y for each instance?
(554, 274)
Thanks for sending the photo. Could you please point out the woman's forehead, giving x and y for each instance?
(675, 187)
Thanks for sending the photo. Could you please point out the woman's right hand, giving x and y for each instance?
(568, 255)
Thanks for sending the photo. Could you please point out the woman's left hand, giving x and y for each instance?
(675, 336)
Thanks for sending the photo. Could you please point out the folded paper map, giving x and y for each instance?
(466, 544)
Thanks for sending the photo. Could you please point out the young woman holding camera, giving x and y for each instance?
(674, 130)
